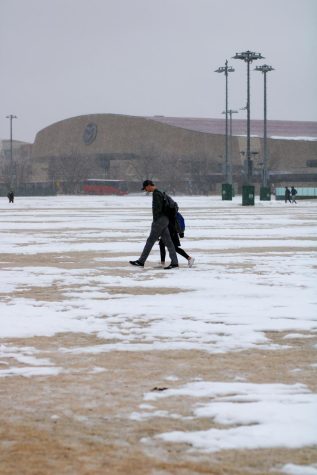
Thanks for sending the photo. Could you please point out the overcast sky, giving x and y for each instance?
(63, 58)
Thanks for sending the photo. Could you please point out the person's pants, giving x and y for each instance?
(159, 228)
(178, 250)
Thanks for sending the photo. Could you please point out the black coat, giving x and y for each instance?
(174, 234)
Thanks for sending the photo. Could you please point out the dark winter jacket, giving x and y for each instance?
(157, 204)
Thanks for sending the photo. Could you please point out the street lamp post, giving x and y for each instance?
(264, 193)
(248, 57)
(230, 112)
(11, 117)
(226, 69)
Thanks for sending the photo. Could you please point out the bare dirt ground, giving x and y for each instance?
(78, 422)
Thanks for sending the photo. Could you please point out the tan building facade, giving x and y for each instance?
(133, 148)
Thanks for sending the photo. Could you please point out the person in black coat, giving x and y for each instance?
(287, 195)
(159, 228)
(293, 194)
(10, 196)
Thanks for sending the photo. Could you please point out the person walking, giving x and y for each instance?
(159, 228)
(287, 195)
(175, 233)
(293, 194)
(10, 196)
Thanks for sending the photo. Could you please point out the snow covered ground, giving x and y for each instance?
(255, 272)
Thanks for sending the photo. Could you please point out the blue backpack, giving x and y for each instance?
(180, 224)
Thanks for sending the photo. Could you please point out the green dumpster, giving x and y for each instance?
(247, 195)
(265, 193)
(226, 191)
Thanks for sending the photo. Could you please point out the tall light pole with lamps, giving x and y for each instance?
(265, 192)
(230, 112)
(227, 188)
(247, 192)
(11, 117)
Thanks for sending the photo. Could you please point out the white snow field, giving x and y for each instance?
(255, 272)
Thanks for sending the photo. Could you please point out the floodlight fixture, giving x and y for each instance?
(265, 68)
(248, 56)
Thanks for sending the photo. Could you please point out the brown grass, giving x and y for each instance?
(78, 423)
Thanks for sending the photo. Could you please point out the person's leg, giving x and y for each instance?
(157, 228)
(170, 246)
(181, 252)
(190, 259)
(162, 250)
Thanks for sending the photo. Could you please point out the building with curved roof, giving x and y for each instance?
(179, 152)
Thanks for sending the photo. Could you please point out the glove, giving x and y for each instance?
(181, 235)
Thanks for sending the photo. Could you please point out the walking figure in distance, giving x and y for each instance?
(10, 196)
(159, 228)
(176, 232)
(287, 195)
(293, 194)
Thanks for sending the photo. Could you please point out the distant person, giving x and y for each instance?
(293, 194)
(159, 228)
(10, 196)
(176, 228)
(287, 195)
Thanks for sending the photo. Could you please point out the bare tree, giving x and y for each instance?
(22, 171)
(69, 171)
(5, 171)
(171, 170)
(146, 165)
(199, 169)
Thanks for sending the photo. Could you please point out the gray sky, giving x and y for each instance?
(63, 58)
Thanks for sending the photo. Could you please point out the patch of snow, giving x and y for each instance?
(258, 415)
(292, 469)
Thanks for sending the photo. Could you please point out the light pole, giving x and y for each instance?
(226, 69)
(230, 112)
(11, 117)
(248, 57)
(265, 68)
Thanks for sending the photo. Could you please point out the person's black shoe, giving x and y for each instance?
(136, 263)
(171, 266)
